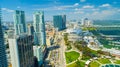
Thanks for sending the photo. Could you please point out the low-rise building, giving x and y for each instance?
(74, 34)
(50, 33)
(49, 41)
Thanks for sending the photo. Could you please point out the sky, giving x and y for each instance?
(73, 9)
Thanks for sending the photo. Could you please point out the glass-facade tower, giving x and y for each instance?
(39, 27)
(21, 50)
(3, 58)
(59, 22)
(19, 22)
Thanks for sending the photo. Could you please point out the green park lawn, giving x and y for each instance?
(104, 60)
(94, 64)
(77, 64)
(117, 62)
(71, 56)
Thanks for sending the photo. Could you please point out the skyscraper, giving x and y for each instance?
(38, 52)
(3, 58)
(36, 62)
(59, 22)
(19, 22)
(39, 36)
(30, 29)
(63, 21)
(39, 27)
(21, 50)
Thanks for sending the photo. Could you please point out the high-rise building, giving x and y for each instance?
(30, 29)
(36, 62)
(64, 21)
(59, 22)
(39, 37)
(21, 50)
(86, 22)
(39, 27)
(38, 52)
(19, 22)
(3, 58)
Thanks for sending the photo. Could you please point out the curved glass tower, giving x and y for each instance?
(19, 22)
(39, 26)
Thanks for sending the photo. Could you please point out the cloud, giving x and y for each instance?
(104, 14)
(78, 9)
(105, 5)
(54, 8)
(119, 10)
(84, 9)
(82, 0)
(56, 2)
(8, 10)
(61, 7)
(95, 9)
(18, 7)
(95, 13)
(79, 12)
(64, 7)
(76, 4)
(88, 6)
